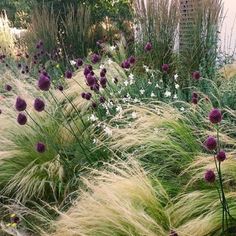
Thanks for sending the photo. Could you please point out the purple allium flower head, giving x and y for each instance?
(95, 87)
(86, 71)
(210, 143)
(132, 60)
(165, 68)
(83, 95)
(8, 87)
(20, 104)
(21, 119)
(90, 79)
(103, 82)
(148, 47)
(79, 62)
(39, 105)
(68, 74)
(127, 64)
(102, 99)
(196, 75)
(195, 101)
(194, 95)
(210, 176)
(173, 233)
(40, 147)
(95, 58)
(88, 96)
(103, 72)
(221, 156)
(94, 105)
(215, 116)
(60, 88)
(44, 83)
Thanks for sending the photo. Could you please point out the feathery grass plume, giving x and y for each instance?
(76, 26)
(119, 200)
(157, 23)
(44, 27)
(156, 134)
(7, 38)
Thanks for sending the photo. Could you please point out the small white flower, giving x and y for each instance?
(142, 91)
(167, 94)
(119, 109)
(157, 86)
(108, 131)
(149, 82)
(119, 92)
(177, 86)
(102, 66)
(109, 61)
(153, 95)
(134, 115)
(131, 76)
(176, 76)
(175, 96)
(112, 48)
(136, 100)
(73, 62)
(126, 83)
(131, 82)
(93, 118)
(182, 109)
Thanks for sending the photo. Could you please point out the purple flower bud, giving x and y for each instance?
(79, 62)
(20, 104)
(195, 100)
(215, 116)
(21, 119)
(94, 105)
(88, 96)
(103, 82)
(8, 87)
(60, 88)
(196, 75)
(126, 64)
(165, 68)
(102, 99)
(173, 233)
(40, 147)
(68, 74)
(210, 143)
(95, 58)
(148, 47)
(91, 80)
(83, 95)
(39, 105)
(132, 60)
(44, 83)
(221, 156)
(210, 176)
(86, 71)
(194, 95)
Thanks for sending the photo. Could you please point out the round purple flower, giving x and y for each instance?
(165, 67)
(88, 96)
(40, 147)
(210, 176)
(68, 74)
(173, 233)
(86, 71)
(95, 87)
(103, 82)
(21, 119)
(215, 116)
(20, 104)
(44, 83)
(39, 105)
(126, 64)
(95, 58)
(221, 156)
(195, 101)
(102, 99)
(148, 47)
(8, 87)
(60, 88)
(132, 60)
(94, 105)
(83, 95)
(79, 62)
(90, 79)
(196, 75)
(194, 95)
(210, 143)
(103, 72)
